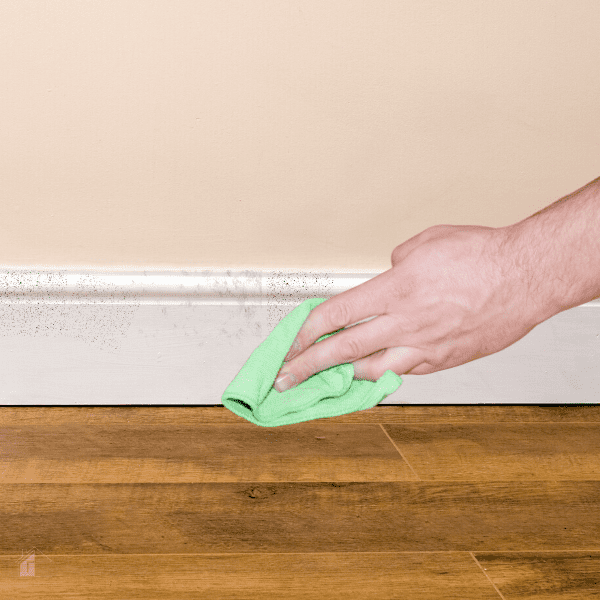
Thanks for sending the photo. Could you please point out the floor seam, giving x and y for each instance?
(488, 577)
(399, 452)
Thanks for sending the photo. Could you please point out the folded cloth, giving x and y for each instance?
(329, 393)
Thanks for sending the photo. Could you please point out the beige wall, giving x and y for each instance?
(284, 133)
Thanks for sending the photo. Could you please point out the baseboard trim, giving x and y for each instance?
(81, 337)
(211, 287)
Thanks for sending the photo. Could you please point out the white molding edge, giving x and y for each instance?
(212, 287)
(121, 337)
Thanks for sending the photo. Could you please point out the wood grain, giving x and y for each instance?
(364, 575)
(411, 502)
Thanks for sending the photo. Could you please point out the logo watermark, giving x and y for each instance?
(27, 562)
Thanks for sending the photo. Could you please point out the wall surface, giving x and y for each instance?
(296, 134)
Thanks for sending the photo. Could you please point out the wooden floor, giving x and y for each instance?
(407, 502)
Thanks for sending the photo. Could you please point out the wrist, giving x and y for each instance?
(528, 271)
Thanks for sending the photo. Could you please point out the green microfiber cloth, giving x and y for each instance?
(329, 393)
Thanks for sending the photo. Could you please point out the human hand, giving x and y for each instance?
(453, 295)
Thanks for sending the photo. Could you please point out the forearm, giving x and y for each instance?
(556, 252)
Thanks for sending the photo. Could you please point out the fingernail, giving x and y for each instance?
(284, 382)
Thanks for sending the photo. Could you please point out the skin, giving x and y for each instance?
(458, 293)
(448, 299)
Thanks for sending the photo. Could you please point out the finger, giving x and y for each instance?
(366, 300)
(346, 346)
(295, 347)
(400, 360)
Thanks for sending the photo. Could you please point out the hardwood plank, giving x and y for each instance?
(134, 493)
(500, 451)
(364, 575)
(413, 516)
(544, 576)
(118, 452)
(195, 415)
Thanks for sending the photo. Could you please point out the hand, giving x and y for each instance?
(453, 295)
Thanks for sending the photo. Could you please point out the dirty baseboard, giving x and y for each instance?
(93, 337)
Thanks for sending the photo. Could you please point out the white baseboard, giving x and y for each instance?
(75, 337)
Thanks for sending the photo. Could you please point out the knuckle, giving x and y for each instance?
(303, 372)
(349, 349)
(437, 229)
(397, 255)
(338, 316)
